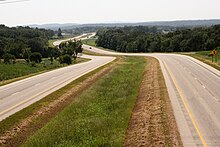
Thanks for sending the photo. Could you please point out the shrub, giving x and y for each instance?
(9, 58)
(65, 59)
(36, 57)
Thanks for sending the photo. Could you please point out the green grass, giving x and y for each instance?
(203, 56)
(100, 116)
(14, 119)
(21, 68)
(90, 42)
(51, 41)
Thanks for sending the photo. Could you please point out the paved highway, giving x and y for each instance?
(194, 90)
(20, 94)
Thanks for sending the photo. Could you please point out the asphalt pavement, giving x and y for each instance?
(193, 87)
(18, 95)
(194, 90)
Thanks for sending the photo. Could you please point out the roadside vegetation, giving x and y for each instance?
(91, 42)
(205, 57)
(153, 122)
(150, 39)
(55, 38)
(100, 116)
(21, 69)
(25, 50)
(15, 129)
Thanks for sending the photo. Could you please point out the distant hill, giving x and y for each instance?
(179, 23)
(53, 26)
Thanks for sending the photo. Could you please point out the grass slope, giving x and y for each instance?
(21, 68)
(100, 116)
(90, 42)
(203, 56)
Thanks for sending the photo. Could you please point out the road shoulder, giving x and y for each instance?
(153, 122)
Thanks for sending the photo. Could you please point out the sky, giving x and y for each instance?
(105, 11)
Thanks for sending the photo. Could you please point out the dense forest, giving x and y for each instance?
(17, 41)
(149, 39)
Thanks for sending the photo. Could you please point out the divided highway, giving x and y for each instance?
(193, 87)
(194, 90)
(20, 94)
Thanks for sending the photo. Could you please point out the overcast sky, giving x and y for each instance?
(105, 11)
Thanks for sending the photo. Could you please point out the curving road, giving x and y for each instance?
(20, 94)
(193, 87)
(194, 90)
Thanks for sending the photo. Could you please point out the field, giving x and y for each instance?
(21, 68)
(89, 42)
(100, 115)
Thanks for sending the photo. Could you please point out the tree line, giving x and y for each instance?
(17, 40)
(31, 44)
(150, 39)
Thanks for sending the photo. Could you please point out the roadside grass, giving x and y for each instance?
(16, 118)
(20, 70)
(51, 41)
(87, 52)
(90, 42)
(203, 56)
(100, 115)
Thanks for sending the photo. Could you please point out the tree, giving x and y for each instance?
(36, 57)
(9, 58)
(2, 50)
(26, 53)
(210, 44)
(71, 48)
(65, 59)
(59, 34)
(53, 53)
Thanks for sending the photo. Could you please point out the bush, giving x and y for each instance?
(36, 57)
(9, 58)
(65, 59)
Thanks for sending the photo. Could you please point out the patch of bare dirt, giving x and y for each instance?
(152, 123)
(19, 133)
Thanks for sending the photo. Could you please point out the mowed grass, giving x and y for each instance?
(55, 38)
(100, 115)
(90, 42)
(21, 68)
(203, 56)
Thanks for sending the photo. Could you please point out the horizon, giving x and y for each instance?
(75, 23)
(27, 12)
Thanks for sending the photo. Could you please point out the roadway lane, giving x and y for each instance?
(194, 90)
(20, 94)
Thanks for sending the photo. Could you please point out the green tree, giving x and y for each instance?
(36, 57)
(65, 59)
(59, 34)
(26, 53)
(9, 58)
(210, 44)
(53, 53)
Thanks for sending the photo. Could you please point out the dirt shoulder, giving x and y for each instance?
(17, 134)
(153, 123)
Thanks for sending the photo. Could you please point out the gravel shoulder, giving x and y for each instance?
(153, 123)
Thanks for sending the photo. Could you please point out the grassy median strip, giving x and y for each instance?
(100, 116)
(17, 128)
